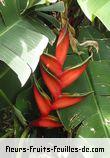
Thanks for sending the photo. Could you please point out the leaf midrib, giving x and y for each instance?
(9, 28)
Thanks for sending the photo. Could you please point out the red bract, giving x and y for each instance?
(65, 101)
(46, 122)
(62, 45)
(42, 102)
(51, 82)
(52, 63)
(55, 83)
(71, 75)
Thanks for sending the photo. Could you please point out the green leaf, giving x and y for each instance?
(9, 10)
(49, 18)
(9, 134)
(25, 134)
(43, 29)
(26, 104)
(7, 76)
(91, 109)
(5, 100)
(18, 129)
(90, 33)
(93, 8)
(20, 46)
(20, 117)
(98, 73)
(26, 4)
(23, 100)
(57, 7)
(3, 69)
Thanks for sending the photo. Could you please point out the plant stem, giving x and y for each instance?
(69, 134)
(25, 133)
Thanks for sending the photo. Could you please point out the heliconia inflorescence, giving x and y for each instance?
(52, 83)
(46, 122)
(65, 101)
(62, 45)
(42, 101)
(72, 74)
(56, 79)
(52, 64)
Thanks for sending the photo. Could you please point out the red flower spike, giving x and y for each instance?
(71, 75)
(62, 45)
(42, 101)
(52, 63)
(46, 122)
(65, 101)
(52, 83)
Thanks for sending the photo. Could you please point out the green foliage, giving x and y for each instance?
(95, 8)
(57, 7)
(93, 113)
(22, 37)
(24, 34)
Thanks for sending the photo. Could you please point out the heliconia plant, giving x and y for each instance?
(52, 83)
(43, 101)
(56, 79)
(62, 45)
(46, 121)
(72, 74)
(66, 100)
(52, 64)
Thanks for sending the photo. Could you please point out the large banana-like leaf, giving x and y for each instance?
(90, 33)
(93, 113)
(93, 8)
(7, 73)
(20, 45)
(26, 4)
